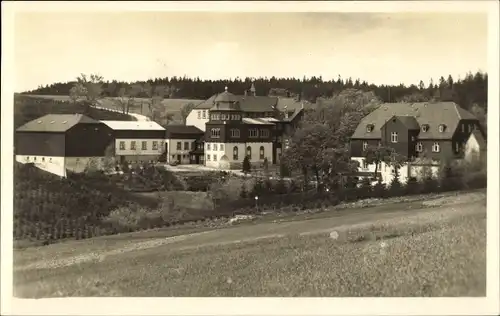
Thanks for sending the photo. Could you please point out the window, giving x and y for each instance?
(435, 147)
(215, 132)
(50, 159)
(365, 145)
(199, 114)
(221, 147)
(457, 147)
(369, 128)
(155, 145)
(264, 133)
(43, 159)
(261, 151)
(394, 137)
(204, 114)
(179, 145)
(215, 147)
(208, 157)
(253, 133)
(365, 164)
(425, 128)
(215, 157)
(186, 145)
(418, 147)
(441, 128)
(249, 152)
(144, 145)
(235, 133)
(235, 153)
(208, 146)
(132, 145)
(122, 145)
(27, 158)
(217, 117)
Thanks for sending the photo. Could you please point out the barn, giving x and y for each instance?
(60, 142)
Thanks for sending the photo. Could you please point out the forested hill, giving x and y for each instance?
(466, 91)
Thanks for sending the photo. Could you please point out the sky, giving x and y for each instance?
(380, 48)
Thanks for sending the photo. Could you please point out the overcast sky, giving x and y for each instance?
(378, 48)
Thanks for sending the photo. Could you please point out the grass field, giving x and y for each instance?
(171, 105)
(431, 248)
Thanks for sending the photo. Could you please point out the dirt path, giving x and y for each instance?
(338, 225)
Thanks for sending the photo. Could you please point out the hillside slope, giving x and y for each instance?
(28, 108)
(47, 207)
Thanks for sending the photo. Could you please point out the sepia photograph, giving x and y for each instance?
(234, 152)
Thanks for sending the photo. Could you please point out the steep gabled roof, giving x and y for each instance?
(409, 121)
(432, 114)
(55, 123)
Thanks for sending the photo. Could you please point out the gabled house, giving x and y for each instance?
(414, 130)
(60, 142)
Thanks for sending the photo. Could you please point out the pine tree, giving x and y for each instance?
(246, 165)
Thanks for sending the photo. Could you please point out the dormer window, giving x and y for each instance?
(369, 128)
(425, 128)
(441, 128)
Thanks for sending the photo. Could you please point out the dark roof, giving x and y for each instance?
(409, 121)
(182, 129)
(433, 114)
(481, 141)
(292, 104)
(56, 123)
(246, 103)
(226, 96)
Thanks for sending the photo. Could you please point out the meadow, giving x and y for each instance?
(436, 248)
(170, 106)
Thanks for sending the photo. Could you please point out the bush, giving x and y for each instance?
(396, 188)
(380, 189)
(366, 188)
(413, 186)
(429, 185)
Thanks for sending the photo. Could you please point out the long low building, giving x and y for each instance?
(137, 141)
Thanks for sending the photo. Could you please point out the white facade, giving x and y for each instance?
(181, 155)
(198, 118)
(139, 147)
(59, 165)
(405, 171)
(227, 155)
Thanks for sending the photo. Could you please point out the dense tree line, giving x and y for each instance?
(465, 91)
